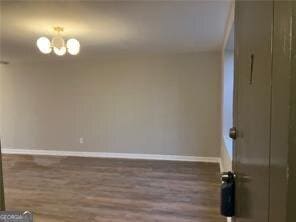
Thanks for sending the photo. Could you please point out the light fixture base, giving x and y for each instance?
(58, 29)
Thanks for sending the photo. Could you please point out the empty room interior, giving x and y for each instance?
(120, 110)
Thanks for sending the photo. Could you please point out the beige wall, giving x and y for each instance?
(160, 104)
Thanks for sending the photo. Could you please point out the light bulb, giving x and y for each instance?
(58, 41)
(43, 45)
(73, 46)
(60, 51)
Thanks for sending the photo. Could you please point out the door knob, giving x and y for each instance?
(233, 133)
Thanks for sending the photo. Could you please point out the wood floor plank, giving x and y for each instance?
(75, 189)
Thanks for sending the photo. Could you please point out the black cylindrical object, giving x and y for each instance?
(228, 194)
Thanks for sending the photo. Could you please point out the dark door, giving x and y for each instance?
(253, 65)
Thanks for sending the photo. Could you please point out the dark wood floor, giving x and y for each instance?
(74, 189)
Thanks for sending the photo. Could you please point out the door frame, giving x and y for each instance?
(291, 213)
(2, 200)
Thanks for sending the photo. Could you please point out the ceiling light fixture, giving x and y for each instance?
(58, 45)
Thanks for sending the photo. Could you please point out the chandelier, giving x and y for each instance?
(58, 44)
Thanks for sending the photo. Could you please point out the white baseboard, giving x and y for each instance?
(112, 155)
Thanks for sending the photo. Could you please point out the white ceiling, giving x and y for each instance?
(115, 26)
